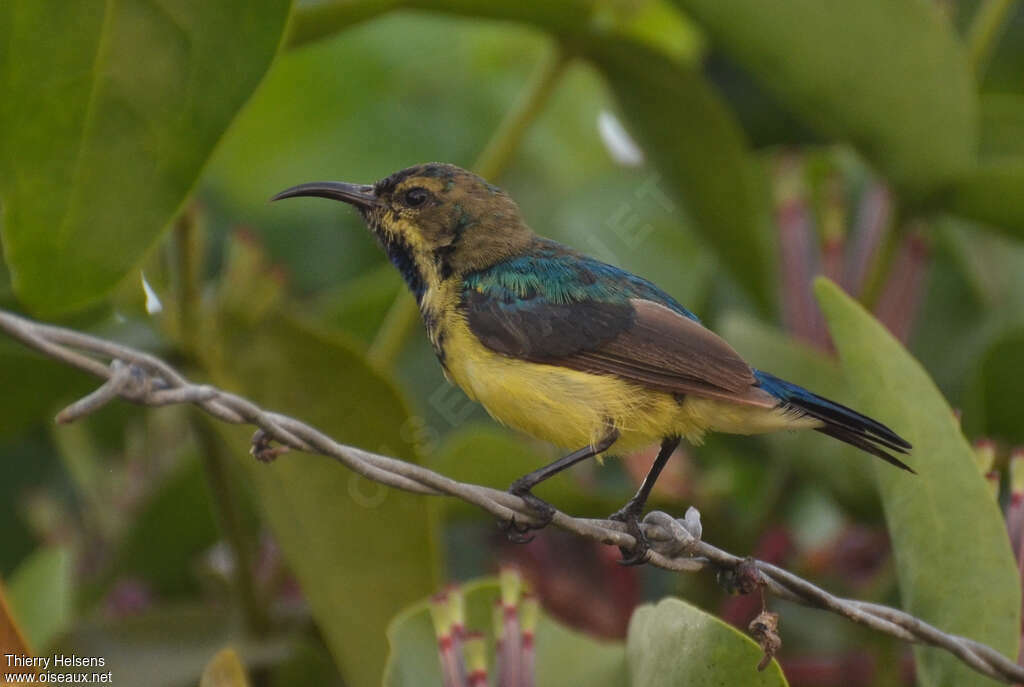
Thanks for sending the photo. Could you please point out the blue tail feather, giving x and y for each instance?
(840, 422)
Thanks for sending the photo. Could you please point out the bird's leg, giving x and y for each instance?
(523, 487)
(631, 512)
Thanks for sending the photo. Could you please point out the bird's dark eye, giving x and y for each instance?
(416, 197)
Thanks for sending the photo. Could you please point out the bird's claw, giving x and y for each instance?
(518, 533)
(640, 553)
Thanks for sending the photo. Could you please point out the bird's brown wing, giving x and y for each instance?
(641, 341)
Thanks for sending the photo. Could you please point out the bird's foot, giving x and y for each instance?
(640, 552)
(519, 533)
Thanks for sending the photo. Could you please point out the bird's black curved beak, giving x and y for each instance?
(359, 195)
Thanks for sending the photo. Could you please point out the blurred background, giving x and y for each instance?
(662, 137)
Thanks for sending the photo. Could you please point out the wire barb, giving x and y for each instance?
(675, 543)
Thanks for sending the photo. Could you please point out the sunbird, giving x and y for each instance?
(569, 349)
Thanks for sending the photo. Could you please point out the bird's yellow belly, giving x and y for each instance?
(571, 409)
(566, 407)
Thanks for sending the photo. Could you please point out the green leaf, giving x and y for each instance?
(1002, 125)
(952, 554)
(991, 193)
(316, 21)
(12, 638)
(110, 111)
(225, 669)
(692, 139)
(1006, 59)
(888, 75)
(655, 22)
(564, 656)
(360, 551)
(975, 292)
(658, 23)
(764, 119)
(39, 593)
(673, 643)
(995, 405)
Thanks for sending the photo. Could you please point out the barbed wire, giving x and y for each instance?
(675, 543)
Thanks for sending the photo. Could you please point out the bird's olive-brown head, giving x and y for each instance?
(435, 221)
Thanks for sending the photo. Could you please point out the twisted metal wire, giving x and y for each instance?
(675, 543)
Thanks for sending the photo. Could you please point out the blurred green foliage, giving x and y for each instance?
(878, 143)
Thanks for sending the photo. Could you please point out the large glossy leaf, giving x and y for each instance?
(953, 557)
(564, 656)
(110, 110)
(889, 75)
(696, 144)
(673, 643)
(360, 551)
(39, 594)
